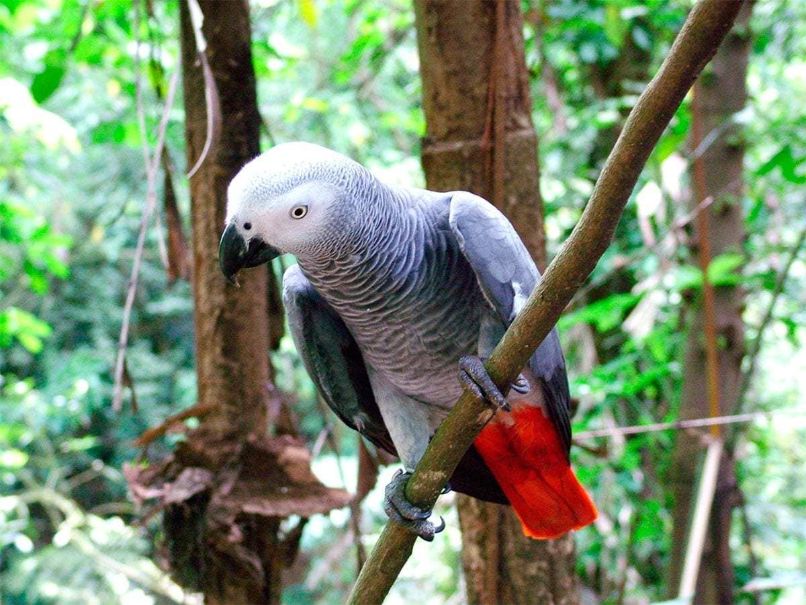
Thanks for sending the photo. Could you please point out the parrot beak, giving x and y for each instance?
(234, 254)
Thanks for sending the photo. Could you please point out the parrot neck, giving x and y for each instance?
(377, 240)
(361, 228)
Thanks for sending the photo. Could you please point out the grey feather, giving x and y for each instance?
(392, 287)
(332, 359)
(507, 275)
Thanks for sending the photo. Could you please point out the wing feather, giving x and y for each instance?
(333, 359)
(507, 275)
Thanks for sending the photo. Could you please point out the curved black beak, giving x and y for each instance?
(234, 254)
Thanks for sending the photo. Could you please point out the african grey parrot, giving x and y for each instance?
(392, 288)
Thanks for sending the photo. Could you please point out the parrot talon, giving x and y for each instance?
(404, 513)
(396, 499)
(446, 490)
(475, 378)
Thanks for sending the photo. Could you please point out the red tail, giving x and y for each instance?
(524, 453)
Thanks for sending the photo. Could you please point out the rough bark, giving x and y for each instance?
(225, 489)
(503, 566)
(479, 135)
(480, 138)
(696, 43)
(717, 172)
(231, 324)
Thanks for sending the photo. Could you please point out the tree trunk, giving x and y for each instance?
(479, 134)
(720, 93)
(231, 324)
(480, 138)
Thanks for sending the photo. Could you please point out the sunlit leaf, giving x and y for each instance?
(614, 25)
(685, 277)
(23, 326)
(307, 10)
(722, 269)
(604, 314)
(79, 444)
(13, 459)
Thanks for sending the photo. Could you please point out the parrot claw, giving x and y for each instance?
(404, 513)
(475, 378)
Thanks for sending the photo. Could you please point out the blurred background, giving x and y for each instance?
(82, 84)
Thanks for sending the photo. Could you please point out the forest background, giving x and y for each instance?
(82, 86)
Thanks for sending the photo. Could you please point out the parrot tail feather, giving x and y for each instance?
(523, 451)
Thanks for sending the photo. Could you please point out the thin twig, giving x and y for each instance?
(211, 98)
(669, 426)
(148, 209)
(755, 348)
(706, 26)
(196, 411)
(355, 503)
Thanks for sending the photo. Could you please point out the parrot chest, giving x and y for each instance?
(417, 345)
(413, 325)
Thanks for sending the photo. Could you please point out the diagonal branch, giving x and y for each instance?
(696, 43)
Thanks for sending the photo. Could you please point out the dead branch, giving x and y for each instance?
(151, 200)
(196, 411)
(620, 431)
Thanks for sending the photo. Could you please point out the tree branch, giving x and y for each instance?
(696, 43)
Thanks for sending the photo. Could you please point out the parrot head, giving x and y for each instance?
(289, 199)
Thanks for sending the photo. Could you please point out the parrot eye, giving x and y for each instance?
(299, 211)
(247, 226)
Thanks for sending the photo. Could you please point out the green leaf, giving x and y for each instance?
(47, 81)
(722, 269)
(614, 25)
(604, 314)
(669, 143)
(645, 378)
(79, 444)
(787, 163)
(648, 528)
(686, 277)
(108, 132)
(26, 328)
(755, 210)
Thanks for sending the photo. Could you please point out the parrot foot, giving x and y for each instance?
(475, 378)
(404, 513)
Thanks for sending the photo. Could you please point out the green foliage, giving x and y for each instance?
(343, 73)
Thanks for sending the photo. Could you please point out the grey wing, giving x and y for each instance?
(507, 275)
(332, 359)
